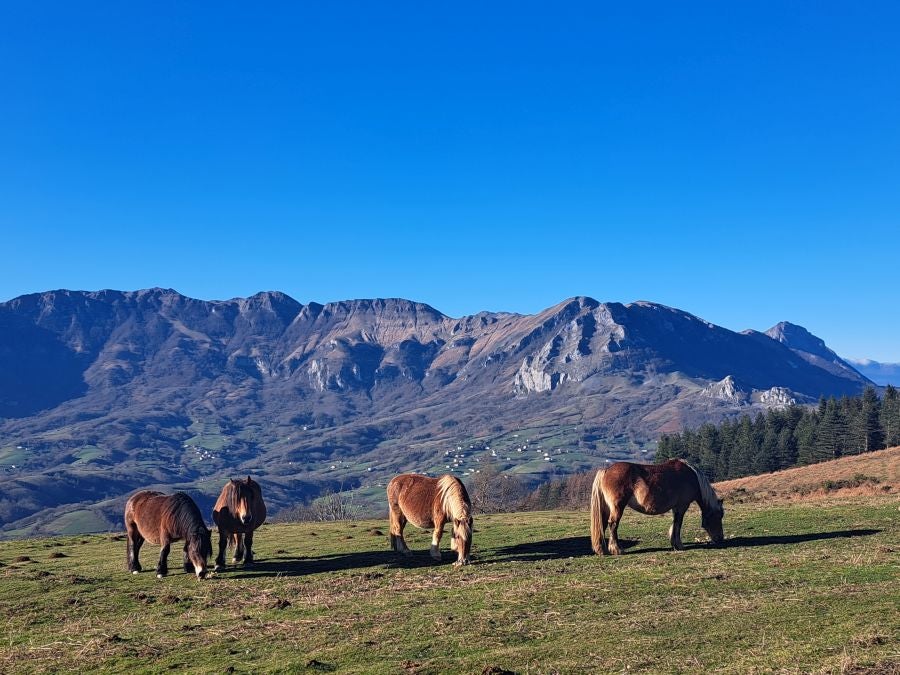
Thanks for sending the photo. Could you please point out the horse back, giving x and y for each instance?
(651, 488)
(415, 495)
(145, 510)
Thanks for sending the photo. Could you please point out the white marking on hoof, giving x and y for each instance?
(159, 576)
(134, 571)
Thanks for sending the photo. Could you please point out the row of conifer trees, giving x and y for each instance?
(779, 439)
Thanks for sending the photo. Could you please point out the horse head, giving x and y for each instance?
(241, 500)
(462, 539)
(199, 549)
(711, 521)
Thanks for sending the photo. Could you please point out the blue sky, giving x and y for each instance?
(740, 161)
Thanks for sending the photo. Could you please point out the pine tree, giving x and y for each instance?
(890, 416)
(871, 434)
(806, 439)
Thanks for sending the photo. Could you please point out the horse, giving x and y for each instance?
(652, 489)
(239, 510)
(431, 502)
(163, 519)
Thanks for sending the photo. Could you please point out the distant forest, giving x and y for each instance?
(792, 436)
(746, 446)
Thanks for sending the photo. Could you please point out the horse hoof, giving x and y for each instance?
(219, 568)
(159, 576)
(135, 572)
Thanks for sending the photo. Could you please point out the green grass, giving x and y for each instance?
(88, 453)
(13, 455)
(800, 589)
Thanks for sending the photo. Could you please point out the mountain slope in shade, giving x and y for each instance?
(813, 349)
(103, 392)
(880, 373)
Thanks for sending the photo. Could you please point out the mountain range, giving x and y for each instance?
(104, 392)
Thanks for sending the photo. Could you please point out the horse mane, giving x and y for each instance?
(454, 498)
(708, 497)
(185, 515)
(233, 490)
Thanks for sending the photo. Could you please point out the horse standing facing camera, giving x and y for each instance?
(164, 519)
(239, 510)
(652, 489)
(431, 502)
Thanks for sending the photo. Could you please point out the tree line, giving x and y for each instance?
(792, 436)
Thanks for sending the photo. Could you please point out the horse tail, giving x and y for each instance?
(599, 514)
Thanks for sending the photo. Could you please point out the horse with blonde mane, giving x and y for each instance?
(652, 489)
(430, 503)
(239, 510)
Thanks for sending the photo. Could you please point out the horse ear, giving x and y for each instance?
(249, 480)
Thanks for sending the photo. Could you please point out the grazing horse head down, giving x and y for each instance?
(164, 519)
(431, 503)
(711, 508)
(455, 504)
(652, 489)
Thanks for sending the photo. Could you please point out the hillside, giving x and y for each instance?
(798, 588)
(104, 392)
(872, 473)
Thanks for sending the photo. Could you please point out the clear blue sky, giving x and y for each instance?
(740, 161)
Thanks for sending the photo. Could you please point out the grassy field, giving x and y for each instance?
(799, 588)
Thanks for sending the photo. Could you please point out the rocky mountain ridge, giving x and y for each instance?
(153, 387)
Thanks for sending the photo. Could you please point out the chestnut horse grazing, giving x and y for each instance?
(652, 489)
(163, 519)
(431, 502)
(239, 510)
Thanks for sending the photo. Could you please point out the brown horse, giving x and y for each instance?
(431, 502)
(239, 510)
(163, 519)
(652, 489)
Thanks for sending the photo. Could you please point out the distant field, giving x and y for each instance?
(805, 587)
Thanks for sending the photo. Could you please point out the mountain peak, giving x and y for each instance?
(812, 349)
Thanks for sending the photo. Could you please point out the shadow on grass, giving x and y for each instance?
(573, 547)
(287, 566)
(551, 549)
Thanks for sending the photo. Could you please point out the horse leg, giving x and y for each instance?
(238, 547)
(133, 547)
(675, 529)
(615, 515)
(436, 539)
(223, 544)
(398, 522)
(162, 567)
(248, 548)
(188, 565)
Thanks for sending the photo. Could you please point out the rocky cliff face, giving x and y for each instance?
(110, 389)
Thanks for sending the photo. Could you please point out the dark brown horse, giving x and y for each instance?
(653, 489)
(239, 510)
(164, 519)
(431, 502)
